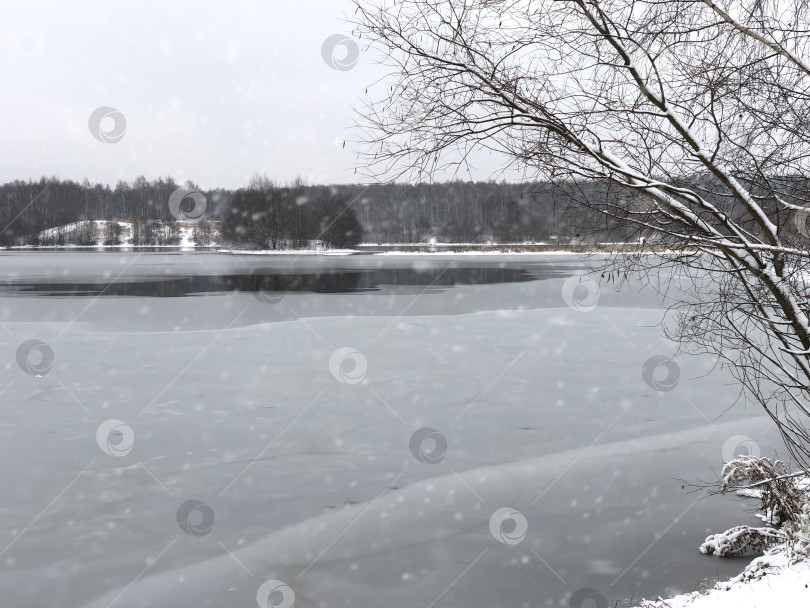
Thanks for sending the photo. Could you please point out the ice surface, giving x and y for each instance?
(232, 402)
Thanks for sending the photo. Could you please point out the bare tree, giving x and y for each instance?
(691, 113)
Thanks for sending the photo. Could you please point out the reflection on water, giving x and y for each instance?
(271, 280)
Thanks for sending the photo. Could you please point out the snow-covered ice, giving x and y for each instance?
(309, 474)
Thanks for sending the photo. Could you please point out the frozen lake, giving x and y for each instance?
(287, 395)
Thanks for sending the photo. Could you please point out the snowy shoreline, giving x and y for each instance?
(328, 252)
(777, 578)
(780, 576)
(102, 235)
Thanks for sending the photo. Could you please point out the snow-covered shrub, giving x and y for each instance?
(781, 498)
(741, 540)
(783, 501)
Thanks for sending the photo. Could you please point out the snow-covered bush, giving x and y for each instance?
(781, 497)
(783, 502)
(741, 540)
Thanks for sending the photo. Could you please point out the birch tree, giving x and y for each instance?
(692, 113)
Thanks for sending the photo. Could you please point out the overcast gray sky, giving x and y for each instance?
(211, 91)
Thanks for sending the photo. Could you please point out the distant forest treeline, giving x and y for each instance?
(292, 215)
(265, 215)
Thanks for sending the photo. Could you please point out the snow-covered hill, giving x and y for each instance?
(124, 233)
